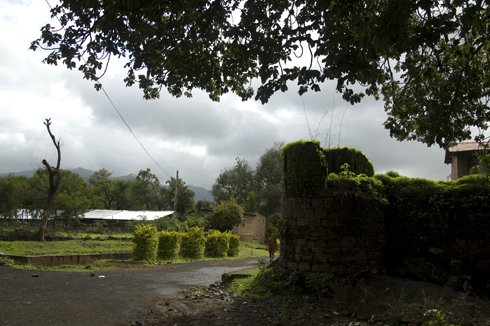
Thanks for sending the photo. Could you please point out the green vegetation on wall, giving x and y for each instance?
(358, 162)
(304, 165)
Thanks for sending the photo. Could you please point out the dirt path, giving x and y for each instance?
(59, 298)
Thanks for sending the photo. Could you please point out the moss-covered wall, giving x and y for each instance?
(356, 223)
(326, 229)
(358, 162)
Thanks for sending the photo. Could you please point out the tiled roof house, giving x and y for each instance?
(462, 158)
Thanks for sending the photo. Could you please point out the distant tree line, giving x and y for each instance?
(241, 187)
(21, 195)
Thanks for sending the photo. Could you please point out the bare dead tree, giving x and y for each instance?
(54, 182)
(326, 135)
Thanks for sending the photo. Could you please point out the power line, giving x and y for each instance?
(119, 113)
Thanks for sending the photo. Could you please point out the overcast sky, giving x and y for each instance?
(196, 136)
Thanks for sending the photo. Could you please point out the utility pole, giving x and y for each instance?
(176, 192)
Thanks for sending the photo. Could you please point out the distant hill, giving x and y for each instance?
(201, 193)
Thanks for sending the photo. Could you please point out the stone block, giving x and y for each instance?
(339, 269)
(320, 233)
(346, 257)
(321, 268)
(321, 244)
(335, 232)
(321, 213)
(483, 265)
(334, 243)
(320, 257)
(292, 266)
(355, 222)
(360, 256)
(335, 256)
(307, 257)
(317, 204)
(328, 222)
(355, 232)
(348, 242)
(304, 267)
(297, 257)
(301, 242)
(302, 222)
(436, 251)
(296, 213)
(454, 250)
(298, 249)
(308, 213)
(374, 255)
(316, 222)
(472, 249)
(356, 269)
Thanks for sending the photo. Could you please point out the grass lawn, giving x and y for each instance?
(72, 247)
(69, 247)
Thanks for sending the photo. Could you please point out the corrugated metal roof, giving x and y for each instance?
(126, 215)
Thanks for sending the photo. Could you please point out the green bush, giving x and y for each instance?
(359, 163)
(131, 225)
(216, 244)
(99, 227)
(145, 242)
(224, 216)
(168, 223)
(192, 243)
(233, 244)
(168, 244)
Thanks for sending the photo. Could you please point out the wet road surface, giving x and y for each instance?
(61, 298)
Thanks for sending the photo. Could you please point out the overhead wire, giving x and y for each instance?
(119, 113)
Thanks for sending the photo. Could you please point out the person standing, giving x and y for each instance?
(271, 244)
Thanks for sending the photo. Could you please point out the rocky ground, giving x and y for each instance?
(376, 300)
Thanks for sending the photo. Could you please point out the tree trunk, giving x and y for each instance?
(54, 182)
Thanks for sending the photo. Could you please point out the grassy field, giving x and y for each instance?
(72, 247)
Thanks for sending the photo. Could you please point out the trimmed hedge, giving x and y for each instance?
(233, 244)
(168, 244)
(217, 244)
(145, 242)
(192, 243)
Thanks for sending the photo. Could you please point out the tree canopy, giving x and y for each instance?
(428, 59)
(261, 186)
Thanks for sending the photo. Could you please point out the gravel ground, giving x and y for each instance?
(107, 298)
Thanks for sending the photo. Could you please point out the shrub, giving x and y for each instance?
(168, 223)
(99, 227)
(145, 242)
(233, 244)
(131, 225)
(224, 216)
(216, 244)
(168, 244)
(192, 243)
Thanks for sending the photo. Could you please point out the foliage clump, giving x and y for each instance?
(192, 243)
(224, 216)
(348, 184)
(217, 244)
(145, 242)
(233, 245)
(270, 282)
(168, 244)
(358, 162)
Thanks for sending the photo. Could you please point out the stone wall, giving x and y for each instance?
(328, 230)
(325, 231)
(462, 236)
(325, 234)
